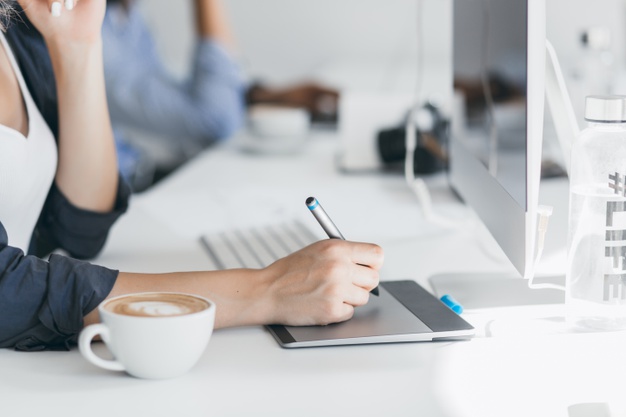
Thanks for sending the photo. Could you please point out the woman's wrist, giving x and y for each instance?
(72, 56)
(77, 65)
(264, 306)
(245, 300)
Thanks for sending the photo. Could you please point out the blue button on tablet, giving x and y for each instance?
(452, 303)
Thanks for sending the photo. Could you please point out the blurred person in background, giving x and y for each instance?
(206, 107)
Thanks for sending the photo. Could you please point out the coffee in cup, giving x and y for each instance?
(156, 305)
(151, 335)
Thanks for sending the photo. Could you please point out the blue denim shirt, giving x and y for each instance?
(205, 107)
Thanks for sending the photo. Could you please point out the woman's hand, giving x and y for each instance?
(79, 20)
(322, 283)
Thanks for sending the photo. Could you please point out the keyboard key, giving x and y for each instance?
(287, 238)
(220, 252)
(305, 234)
(256, 247)
(242, 249)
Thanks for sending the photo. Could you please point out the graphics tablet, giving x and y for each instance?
(403, 312)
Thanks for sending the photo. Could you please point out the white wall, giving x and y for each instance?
(289, 38)
(285, 40)
(567, 20)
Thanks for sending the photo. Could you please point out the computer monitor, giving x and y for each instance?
(499, 49)
(495, 158)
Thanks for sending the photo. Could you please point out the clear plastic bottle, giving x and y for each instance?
(596, 270)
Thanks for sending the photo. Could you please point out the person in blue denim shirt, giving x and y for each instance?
(205, 107)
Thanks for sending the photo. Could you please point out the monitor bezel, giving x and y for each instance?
(511, 225)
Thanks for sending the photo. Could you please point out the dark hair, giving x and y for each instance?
(6, 9)
(33, 58)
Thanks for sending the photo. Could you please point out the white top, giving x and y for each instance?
(27, 168)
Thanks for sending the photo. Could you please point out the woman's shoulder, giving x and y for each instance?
(31, 54)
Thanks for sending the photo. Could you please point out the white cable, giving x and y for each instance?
(417, 185)
(410, 145)
(542, 226)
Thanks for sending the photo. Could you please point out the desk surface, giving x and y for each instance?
(520, 364)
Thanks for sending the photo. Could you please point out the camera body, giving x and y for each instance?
(432, 133)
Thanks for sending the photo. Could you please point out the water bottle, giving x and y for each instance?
(596, 269)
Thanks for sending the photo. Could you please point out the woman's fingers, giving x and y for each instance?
(54, 7)
(57, 6)
(63, 22)
(367, 254)
(355, 269)
(365, 277)
(356, 296)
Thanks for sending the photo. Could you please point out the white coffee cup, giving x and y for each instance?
(151, 335)
(274, 129)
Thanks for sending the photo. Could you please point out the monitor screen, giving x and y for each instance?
(495, 148)
(490, 71)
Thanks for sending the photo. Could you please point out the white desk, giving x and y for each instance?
(527, 368)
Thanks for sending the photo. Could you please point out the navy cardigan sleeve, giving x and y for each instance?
(42, 303)
(81, 233)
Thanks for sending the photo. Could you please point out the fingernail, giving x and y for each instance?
(56, 9)
(69, 4)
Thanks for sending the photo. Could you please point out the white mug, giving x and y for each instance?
(151, 335)
(274, 129)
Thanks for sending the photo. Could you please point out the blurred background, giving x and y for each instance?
(368, 50)
(282, 41)
(371, 44)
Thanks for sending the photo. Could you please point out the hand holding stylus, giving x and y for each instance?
(327, 224)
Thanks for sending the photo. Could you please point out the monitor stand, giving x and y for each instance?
(485, 290)
(476, 290)
(488, 290)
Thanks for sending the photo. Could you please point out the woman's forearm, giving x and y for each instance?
(87, 172)
(239, 294)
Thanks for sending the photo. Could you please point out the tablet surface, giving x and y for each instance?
(404, 312)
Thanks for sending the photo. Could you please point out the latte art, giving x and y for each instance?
(156, 305)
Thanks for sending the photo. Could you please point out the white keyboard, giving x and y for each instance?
(256, 247)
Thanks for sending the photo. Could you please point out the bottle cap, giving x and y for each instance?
(607, 109)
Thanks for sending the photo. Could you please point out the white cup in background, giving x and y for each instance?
(151, 335)
(276, 129)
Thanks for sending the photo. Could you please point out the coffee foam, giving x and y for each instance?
(156, 305)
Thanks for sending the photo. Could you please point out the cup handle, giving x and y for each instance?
(84, 345)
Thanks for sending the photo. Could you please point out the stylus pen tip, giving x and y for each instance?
(375, 291)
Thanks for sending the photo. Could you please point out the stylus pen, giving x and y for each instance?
(327, 224)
